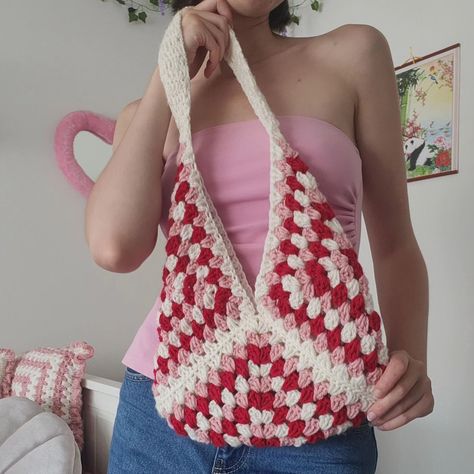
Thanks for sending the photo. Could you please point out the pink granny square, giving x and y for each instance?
(52, 378)
(7, 366)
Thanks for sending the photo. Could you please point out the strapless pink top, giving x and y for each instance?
(240, 192)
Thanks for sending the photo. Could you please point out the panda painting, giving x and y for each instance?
(416, 151)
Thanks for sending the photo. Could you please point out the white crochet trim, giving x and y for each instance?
(174, 74)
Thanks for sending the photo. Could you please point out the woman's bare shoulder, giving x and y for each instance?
(349, 41)
(354, 43)
(349, 49)
(356, 34)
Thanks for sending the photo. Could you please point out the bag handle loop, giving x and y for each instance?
(174, 74)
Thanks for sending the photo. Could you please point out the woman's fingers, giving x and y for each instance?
(219, 20)
(218, 6)
(220, 33)
(405, 393)
(398, 391)
(210, 31)
(413, 396)
(217, 24)
(422, 407)
(396, 367)
(214, 53)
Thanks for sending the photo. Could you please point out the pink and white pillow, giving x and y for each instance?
(52, 378)
(7, 367)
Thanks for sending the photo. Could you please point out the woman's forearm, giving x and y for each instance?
(124, 207)
(403, 294)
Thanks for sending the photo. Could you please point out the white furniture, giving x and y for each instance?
(100, 400)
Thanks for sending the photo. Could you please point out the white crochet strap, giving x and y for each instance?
(174, 74)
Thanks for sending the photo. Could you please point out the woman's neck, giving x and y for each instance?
(257, 40)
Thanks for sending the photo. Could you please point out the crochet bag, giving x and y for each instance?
(296, 361)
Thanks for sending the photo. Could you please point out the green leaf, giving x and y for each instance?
(121, 2)
(132, 15)
(315, 5)
(142, 16)
(294, 19)
(154, 2)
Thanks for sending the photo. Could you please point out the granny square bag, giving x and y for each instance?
(296, 361)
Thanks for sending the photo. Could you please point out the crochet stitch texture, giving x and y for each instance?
(294, 362)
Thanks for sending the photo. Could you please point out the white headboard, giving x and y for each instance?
(100, 399)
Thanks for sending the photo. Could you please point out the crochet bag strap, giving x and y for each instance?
(174, 74)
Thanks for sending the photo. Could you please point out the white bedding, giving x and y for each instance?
(35, 440)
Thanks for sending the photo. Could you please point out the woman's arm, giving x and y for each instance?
(123, 209)
(400, 270)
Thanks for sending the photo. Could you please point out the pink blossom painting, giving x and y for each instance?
(429, 108)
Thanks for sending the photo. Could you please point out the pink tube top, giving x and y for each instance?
(240, 192)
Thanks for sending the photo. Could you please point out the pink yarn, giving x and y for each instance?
(73, 123)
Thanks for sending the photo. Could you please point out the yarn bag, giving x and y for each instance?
(295, 361)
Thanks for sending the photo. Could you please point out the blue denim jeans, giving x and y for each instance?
(143, 443)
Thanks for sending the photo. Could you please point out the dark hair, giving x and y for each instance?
(279, 17)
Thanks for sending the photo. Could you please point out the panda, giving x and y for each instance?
(415, 148)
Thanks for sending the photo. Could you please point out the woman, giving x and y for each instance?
(335, 95)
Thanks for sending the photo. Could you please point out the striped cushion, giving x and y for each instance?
(52, 378)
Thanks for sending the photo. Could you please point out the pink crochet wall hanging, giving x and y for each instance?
(101, 126)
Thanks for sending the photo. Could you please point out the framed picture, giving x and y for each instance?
(428, 88)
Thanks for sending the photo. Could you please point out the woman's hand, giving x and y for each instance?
(404, 392)
(206, 28)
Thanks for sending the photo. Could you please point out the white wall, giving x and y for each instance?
(57, 57)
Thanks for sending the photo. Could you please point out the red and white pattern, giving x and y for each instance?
(295, 362)
(52, 378)
(299, 370)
